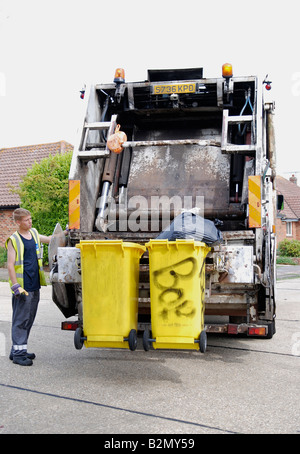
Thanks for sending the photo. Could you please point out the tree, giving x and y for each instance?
(44, 192)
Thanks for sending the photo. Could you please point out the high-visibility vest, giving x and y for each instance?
(19, 263)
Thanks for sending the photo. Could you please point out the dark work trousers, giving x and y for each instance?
(24, 312)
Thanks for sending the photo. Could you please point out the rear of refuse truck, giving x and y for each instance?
(191, 146)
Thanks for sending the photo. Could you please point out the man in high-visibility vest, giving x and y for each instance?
(26, 275)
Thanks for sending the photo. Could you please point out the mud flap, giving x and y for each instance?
(63, 295)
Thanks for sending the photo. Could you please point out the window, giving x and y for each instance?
(289, 230)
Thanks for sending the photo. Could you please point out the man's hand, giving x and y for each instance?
(18, 290)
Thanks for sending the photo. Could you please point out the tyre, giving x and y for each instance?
(132, 340)
(203, 341)
(78, 338)
(146, 342)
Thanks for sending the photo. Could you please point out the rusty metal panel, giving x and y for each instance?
(161, 143)
(181, 170)
(68, 269)
(236, 262)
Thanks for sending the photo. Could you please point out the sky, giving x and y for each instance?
(50, 48)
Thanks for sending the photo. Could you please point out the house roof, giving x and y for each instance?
(14, 163)
(291, 194)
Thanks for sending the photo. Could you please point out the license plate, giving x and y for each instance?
(174, 88)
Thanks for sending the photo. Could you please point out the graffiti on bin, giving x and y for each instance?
(172, 295)
(202, 291)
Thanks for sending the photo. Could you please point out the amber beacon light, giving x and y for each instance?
(227, 70)
(119, 76)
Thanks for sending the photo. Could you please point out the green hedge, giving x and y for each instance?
(289, 248)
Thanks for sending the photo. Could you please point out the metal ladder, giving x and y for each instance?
(235, 119)
(93, 151)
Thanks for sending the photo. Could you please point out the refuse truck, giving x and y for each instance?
(174, 158)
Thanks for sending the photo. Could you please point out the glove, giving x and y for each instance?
(18, 290)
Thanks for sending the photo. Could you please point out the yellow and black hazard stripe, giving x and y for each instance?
(254, 198)
(74, 204)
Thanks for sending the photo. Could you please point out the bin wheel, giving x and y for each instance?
(78, 338)
(203, 341)
(146, 342)
(132, 340)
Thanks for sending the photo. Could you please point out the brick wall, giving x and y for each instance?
(281, 231)
(297, 230)
(7, 225)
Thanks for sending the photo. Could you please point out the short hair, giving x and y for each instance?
(20, 213)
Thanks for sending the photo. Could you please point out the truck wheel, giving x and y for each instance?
(203, 341)
(132, 340)
(78, 338)
(146, 342)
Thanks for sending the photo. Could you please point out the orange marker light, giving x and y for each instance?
(119, 76)
(254, 331)
(227, 70)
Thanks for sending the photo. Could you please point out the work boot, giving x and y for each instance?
(22, 360)
(28, 355)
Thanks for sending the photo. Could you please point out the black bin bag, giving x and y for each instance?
(191, 226)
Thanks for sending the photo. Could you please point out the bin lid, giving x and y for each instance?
(113, 243)
(178, 243)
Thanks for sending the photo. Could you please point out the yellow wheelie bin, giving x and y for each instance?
(110, 281)
(177, 290)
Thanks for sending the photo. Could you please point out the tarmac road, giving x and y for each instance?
(240, 385)
(288, 271)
